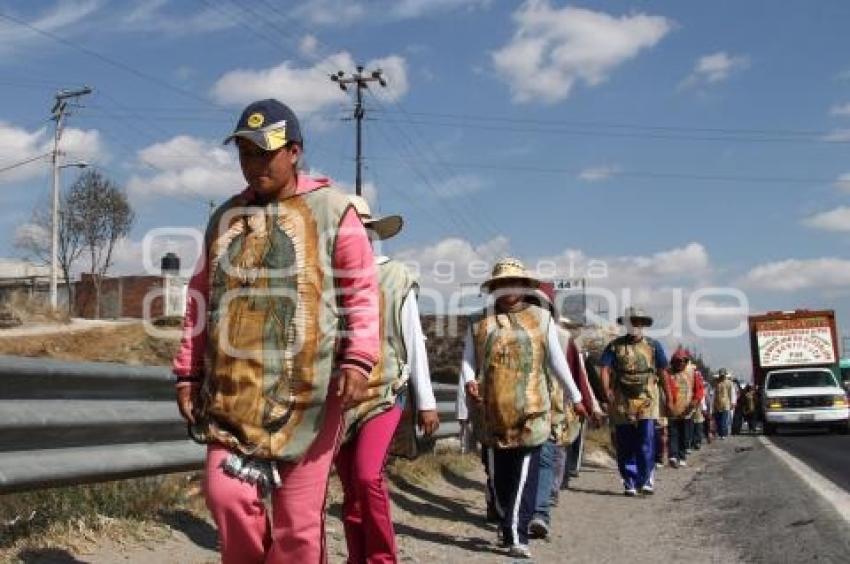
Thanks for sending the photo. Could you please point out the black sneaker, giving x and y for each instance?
(538, 529)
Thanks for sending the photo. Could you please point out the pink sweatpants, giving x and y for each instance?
(297, 531)
(368, 524)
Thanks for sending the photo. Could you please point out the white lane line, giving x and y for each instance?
(826, 488)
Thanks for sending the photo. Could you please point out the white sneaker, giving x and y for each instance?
(682, 463)
(630, 492)
(647, 490)
(520, 551)
(674, 462)
(659, 465)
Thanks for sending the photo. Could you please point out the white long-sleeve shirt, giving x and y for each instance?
(555, 358)
(417, 355)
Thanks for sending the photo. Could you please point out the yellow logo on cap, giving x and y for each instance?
(256, 120)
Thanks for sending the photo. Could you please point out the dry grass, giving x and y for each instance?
(127, 344)
(600, 439)
(31, 310)
(77, 518)
(428, 468)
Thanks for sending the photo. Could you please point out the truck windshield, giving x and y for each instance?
(802, 379)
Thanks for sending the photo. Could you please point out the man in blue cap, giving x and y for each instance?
(280, 336)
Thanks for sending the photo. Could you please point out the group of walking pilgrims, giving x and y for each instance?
(302, 351)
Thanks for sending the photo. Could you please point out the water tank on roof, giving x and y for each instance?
(170, 265)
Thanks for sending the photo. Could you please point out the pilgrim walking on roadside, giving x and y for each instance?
(508, 351)
(280, 336)
(632, 367)
(400, 377)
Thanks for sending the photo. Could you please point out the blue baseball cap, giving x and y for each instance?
(269, 124)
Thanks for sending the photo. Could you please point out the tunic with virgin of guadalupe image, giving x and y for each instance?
(511, 355)
(634, 365)
(288, 293)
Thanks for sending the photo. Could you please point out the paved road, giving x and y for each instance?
(765, 511)
(827, 454)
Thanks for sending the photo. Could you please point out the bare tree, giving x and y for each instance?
(34, 238)
(103, 216)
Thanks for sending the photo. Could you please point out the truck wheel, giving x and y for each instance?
(769, 429)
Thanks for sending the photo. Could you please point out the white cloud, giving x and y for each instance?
(842, 110)
(62, 15)
(330, 12)
(552, 49)
(411, 9)
(833, 220)
(843, 182)
(308, 46)
(648, 277)
(129, 255)
(460, 185)
(151, 16)
(797, 274)
(306, 90)
(714, 68)
(341, 13)
(598, 174)
(837, 136)
(18, 144)
(186, 165)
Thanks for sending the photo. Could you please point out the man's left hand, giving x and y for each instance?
(429, 422)
(352, 387)
(580, 410)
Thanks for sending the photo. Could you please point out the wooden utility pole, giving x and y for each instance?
(360, 81)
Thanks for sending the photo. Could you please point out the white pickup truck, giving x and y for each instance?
(804, 396)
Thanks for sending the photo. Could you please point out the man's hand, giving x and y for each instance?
(429, 422)
(352, 387)
(187, 401)
(598, 417)
(472, 391)
(580, 410)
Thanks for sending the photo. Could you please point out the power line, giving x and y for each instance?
(105, 59)
(618, 125)
(641, 174)
(470, 218)
(24, 162)
(642, 135)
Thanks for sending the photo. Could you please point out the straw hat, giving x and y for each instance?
(568, 323)
(634, 313)
(384, 227)
(509, 269)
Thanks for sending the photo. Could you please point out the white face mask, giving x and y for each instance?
(635, 332)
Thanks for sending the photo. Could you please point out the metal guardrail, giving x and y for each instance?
(67, 423)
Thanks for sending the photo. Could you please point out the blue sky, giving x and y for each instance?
(685, 144)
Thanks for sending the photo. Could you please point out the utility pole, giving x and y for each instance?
(59, 111)
(360, 81)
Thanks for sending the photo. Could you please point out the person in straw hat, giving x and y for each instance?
(370, 425)
(632, 366)
(508, 350)
(279, 338)
(686, 393)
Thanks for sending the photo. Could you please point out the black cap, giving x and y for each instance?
(269, 124)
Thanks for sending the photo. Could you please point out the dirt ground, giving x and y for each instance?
(98, 341)
(443, 522)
